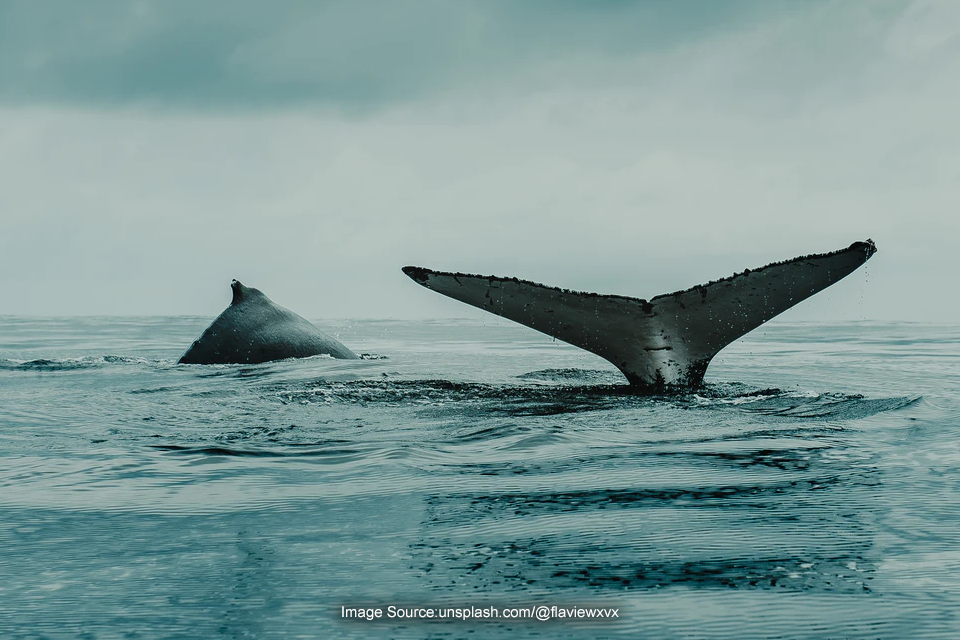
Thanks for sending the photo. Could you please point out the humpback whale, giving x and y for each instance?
(256, 329)
(667, 341)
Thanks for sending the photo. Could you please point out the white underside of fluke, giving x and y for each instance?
(669, 340)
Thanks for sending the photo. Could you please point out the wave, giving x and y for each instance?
(70, 364)
(550, 399)
(581, 376)
(256, 453)
(833, 406)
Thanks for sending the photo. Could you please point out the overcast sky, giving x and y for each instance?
(151, 151)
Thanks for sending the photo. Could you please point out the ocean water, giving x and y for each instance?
(810, 490)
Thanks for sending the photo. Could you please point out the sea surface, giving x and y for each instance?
(810, 490)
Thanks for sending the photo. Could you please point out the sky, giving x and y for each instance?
(151, 151)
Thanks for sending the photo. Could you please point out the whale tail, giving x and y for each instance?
(664, 342)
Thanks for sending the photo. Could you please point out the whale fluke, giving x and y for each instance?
(255, 329)
(666, 341)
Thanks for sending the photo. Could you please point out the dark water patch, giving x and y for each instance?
(530, 399)
(68, 364)
(548, 400)
(832, 406)
(54, 365)
(785, 536)
(486, 433)
(262, 432)
(254, 453)
(791, 467)
(233, 371)
(807, 489)
(579, 376)
(161, 390)
(287, 436)
(215, 393)
(560, 564)
(788, 459)
(726, 390)
(803, 520)
(758, 432)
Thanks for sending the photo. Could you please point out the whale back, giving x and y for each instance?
(255, 329)
(669, 340)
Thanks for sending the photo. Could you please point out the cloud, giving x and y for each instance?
(243, 54)
(579, 158)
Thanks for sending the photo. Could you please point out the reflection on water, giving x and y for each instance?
(808, 491)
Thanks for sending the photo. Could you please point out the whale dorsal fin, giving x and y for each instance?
(239, 292)
(253, 329)
(669, 340)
